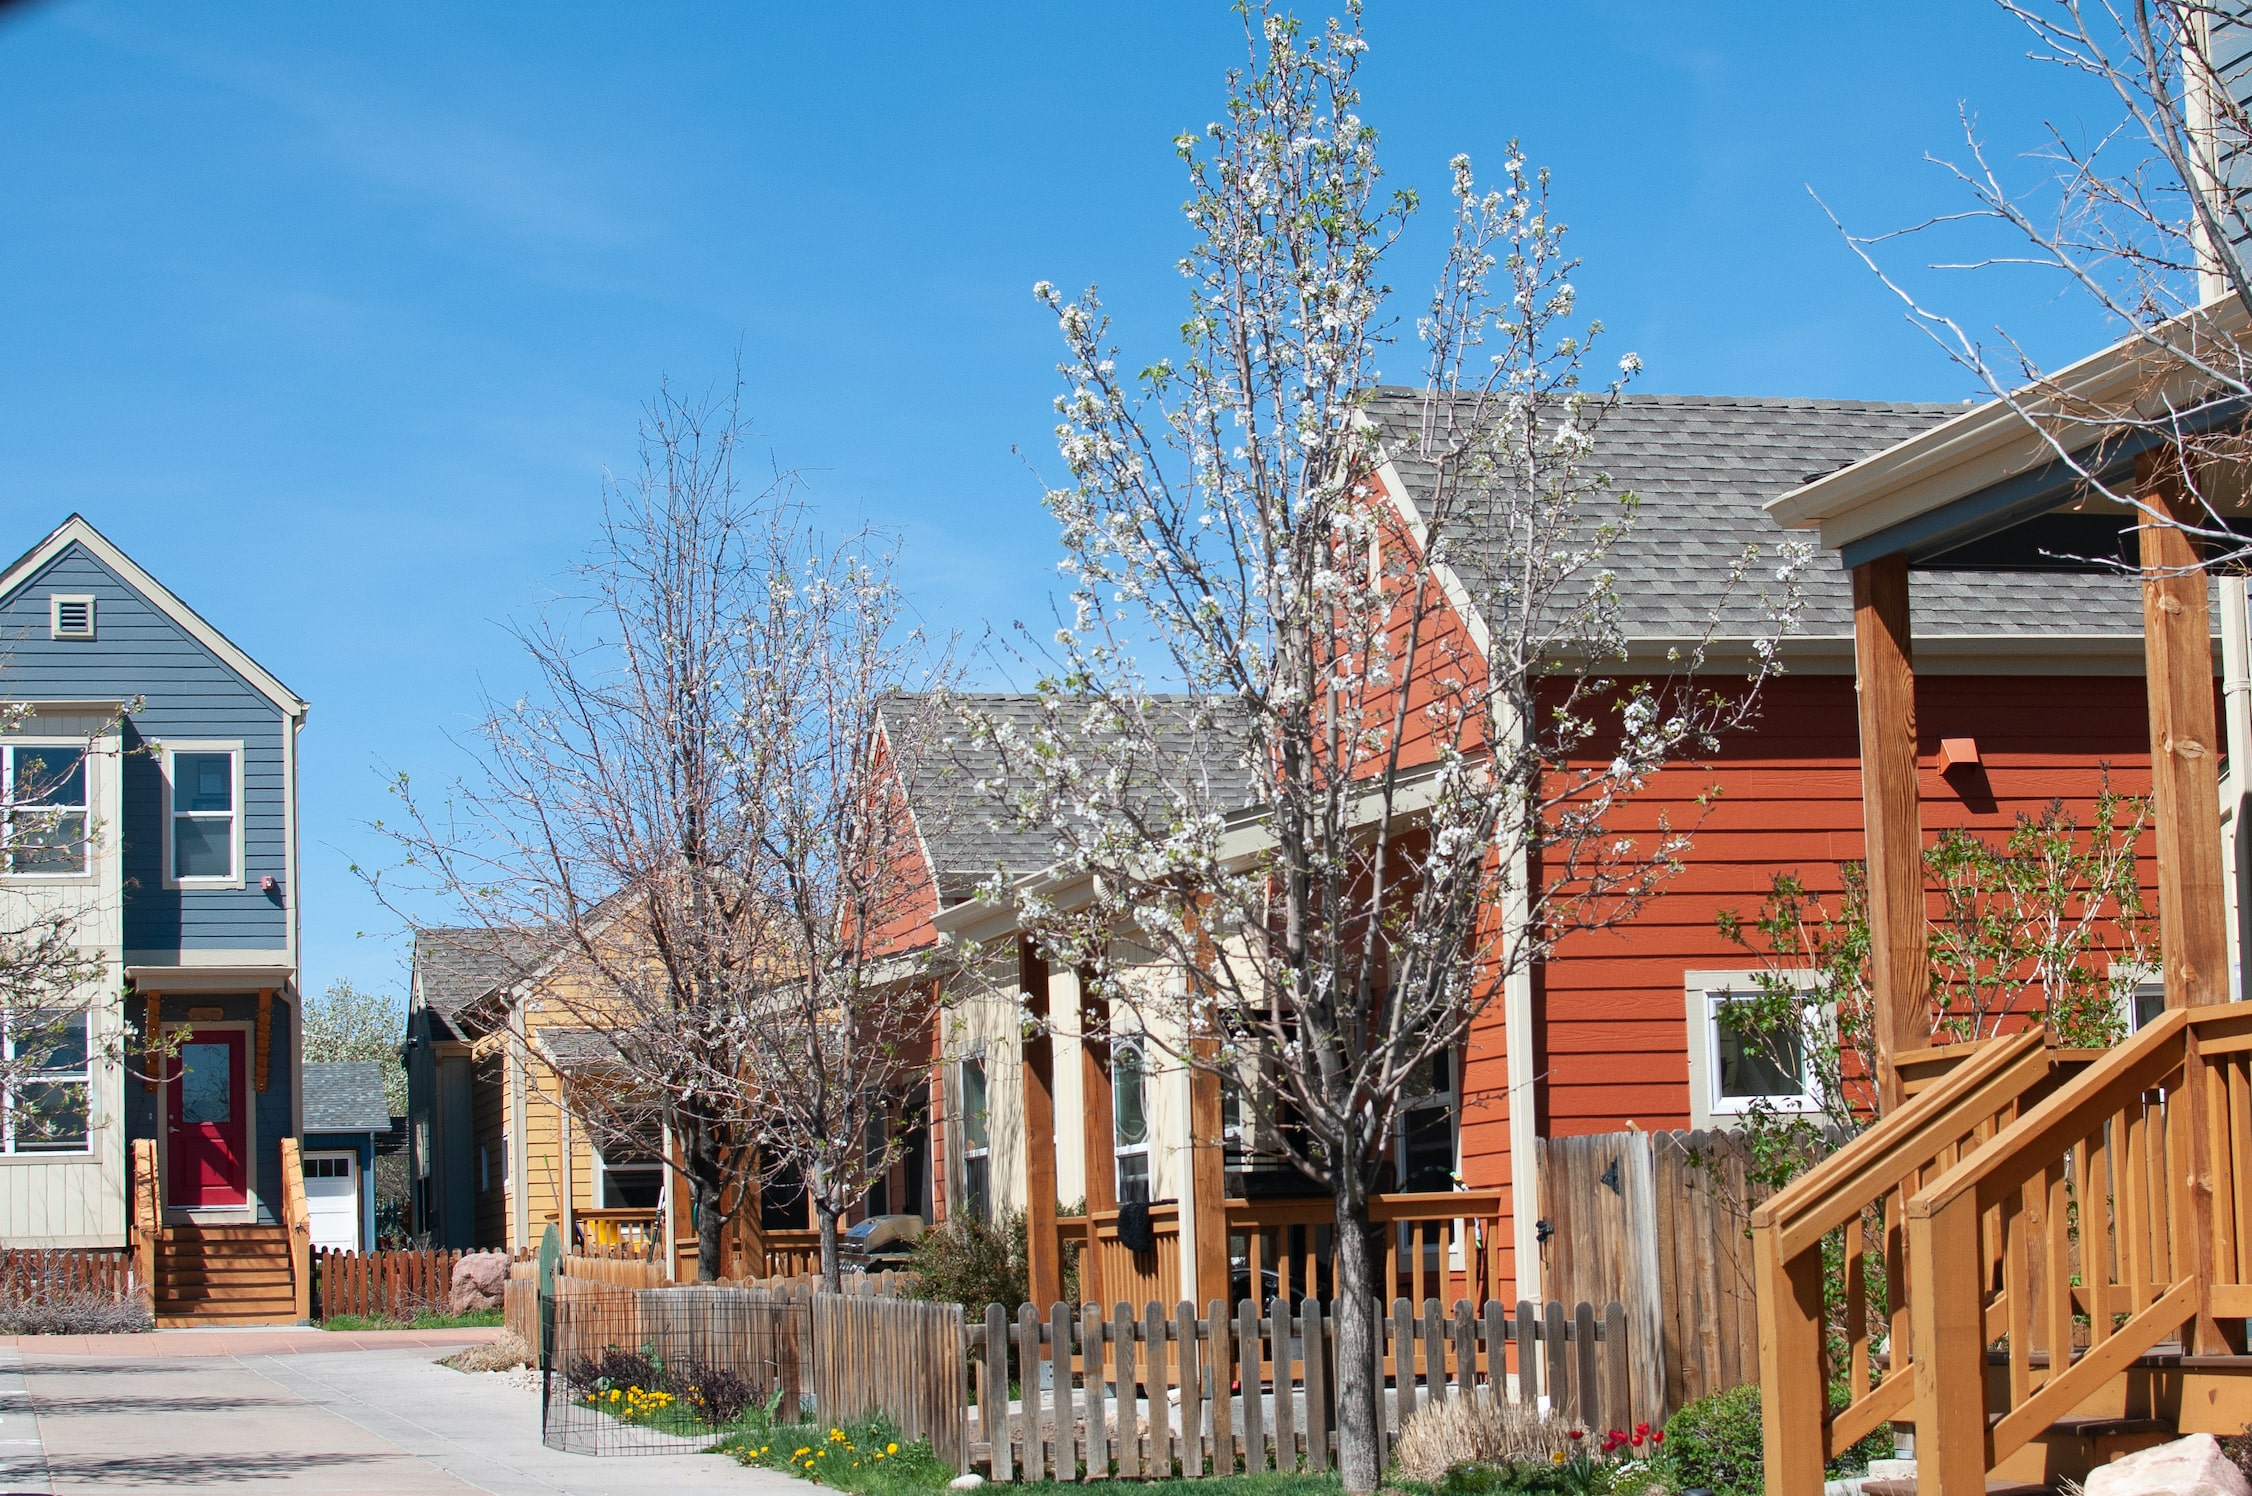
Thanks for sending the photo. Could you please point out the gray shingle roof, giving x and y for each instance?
(345, 1096)
(1704, 466)
(966, 829)
(455, 967)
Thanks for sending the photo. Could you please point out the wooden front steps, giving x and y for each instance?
(224, 1275)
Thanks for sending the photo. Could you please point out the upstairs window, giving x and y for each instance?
(70, 615)
(45, 1104)
(206, 821)
(46, 821)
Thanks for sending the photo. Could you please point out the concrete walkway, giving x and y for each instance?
(386, 1420)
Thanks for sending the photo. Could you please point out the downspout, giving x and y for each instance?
(2236, 627)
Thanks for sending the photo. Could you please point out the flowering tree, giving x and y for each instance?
(2145, 224)
(668, 836)
(1368, 723)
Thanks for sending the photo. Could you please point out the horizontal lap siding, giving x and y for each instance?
(189, 693)
(1611, 1007)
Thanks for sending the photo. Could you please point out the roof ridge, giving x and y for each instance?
(1765, 402)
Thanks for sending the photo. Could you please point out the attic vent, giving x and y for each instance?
(71, 616)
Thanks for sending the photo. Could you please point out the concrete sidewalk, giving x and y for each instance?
(253, 1340)
(376, 1422)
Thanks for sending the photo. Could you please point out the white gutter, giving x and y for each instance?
(1991, 442)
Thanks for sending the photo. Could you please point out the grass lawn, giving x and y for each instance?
(478, 1320)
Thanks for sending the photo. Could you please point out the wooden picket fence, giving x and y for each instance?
(1142, 1395)
(901, 1357)
(382, 1285)
(31, 1272)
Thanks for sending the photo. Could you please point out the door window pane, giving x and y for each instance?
(1129, 1111)
(207, 1084)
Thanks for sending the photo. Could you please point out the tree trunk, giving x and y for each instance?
(1360, 1446)
(832, 1270)
(711, 1232)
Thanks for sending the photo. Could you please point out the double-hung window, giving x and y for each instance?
(205, 785)
(977, 1142)
(45, 1103)
(46, 808)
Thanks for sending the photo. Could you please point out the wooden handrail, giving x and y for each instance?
(2135, 1067)
(1820, 1200)
(2098, 1201)
(297, 1216)
(1944, 1120)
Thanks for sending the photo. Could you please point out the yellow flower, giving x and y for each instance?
(892, 1448)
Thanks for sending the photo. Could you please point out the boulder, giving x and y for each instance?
(2193, 1466)
(480, 1282)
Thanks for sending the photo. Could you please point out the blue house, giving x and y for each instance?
(167, 758)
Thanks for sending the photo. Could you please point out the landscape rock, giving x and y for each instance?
(969, 1482)
(2193, 1466)
(480, 1281)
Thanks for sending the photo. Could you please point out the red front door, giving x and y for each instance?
(209, 1116)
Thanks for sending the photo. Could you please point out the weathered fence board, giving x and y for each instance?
(1657, 1221)
(1258, 1392)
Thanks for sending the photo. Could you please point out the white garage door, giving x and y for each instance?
(332, 1195)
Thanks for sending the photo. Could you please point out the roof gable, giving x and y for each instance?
(75, 531)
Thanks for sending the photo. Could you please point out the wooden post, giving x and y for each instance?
(677, 1218)
(265, 1040)
(1044, 1277)
(1097, 1141)
(1886, 686)
(1944, 1260)
(1790, 1362)
(2184, 745)
(1208, 1171)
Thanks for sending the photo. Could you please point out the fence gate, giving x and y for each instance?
(1658, 1221)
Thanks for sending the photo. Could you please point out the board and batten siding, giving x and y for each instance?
(188, 694)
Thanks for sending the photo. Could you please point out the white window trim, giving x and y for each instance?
(189, 745)
(966, 1153)
(1120, 1152)
(8, 750)
(2129, 982)
(55, 601)
(84, 1075)
(1702, 994)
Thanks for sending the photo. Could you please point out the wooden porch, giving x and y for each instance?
(2038, 1258)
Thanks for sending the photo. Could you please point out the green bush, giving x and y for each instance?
(974, 1263)
(1714, 1442)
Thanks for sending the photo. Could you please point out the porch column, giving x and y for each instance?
(2185, 786)
(1885, 681)
(1097, 1143)
(1044, 1276)
(1208, 1174)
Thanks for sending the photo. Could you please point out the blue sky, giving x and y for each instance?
(333, 316)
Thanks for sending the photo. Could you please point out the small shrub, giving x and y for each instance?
(1441, 1437)
(974, 1263)
(1714, 1442)
(503, 1354)
(616, 1369)
(75, 1311)
(719, 1394)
